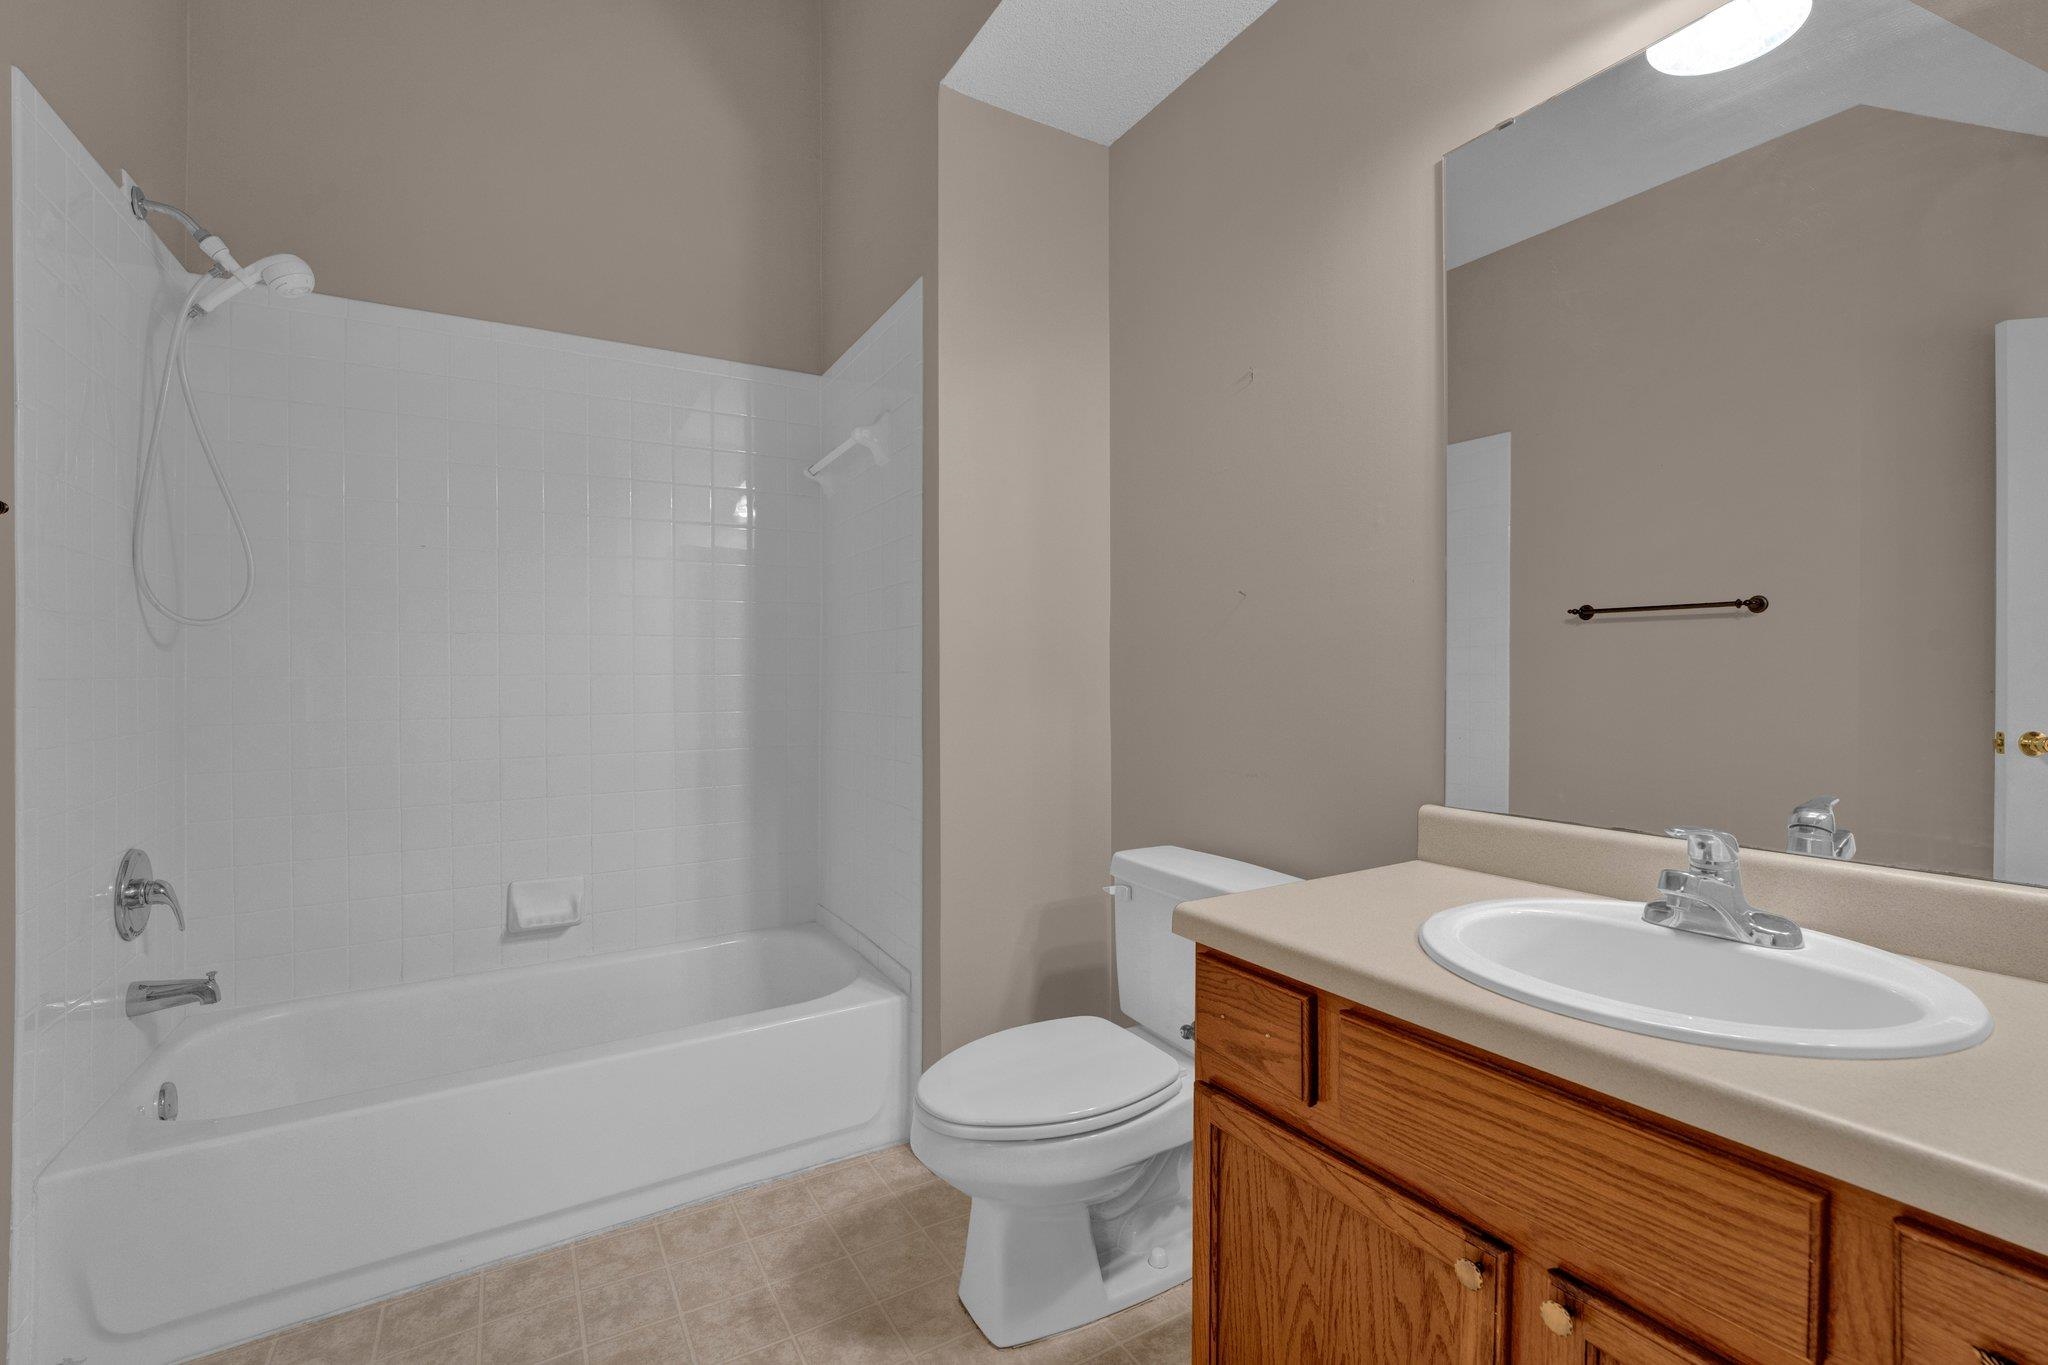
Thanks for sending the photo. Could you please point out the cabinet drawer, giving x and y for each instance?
(1253, 1034)
(1963, 1305)
(1592, 1329)
(1723, 1251)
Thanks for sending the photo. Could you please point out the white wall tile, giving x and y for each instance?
(873, 864)
(99, 698)
(540, 613)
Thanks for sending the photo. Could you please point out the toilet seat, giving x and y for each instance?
(1052, 1079)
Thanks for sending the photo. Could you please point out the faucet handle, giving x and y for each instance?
(1817, 812)
(1708, 850)
(1813, 828)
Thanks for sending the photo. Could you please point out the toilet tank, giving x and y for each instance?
(1155, 968)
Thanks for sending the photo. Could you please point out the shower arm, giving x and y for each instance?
(141, 205)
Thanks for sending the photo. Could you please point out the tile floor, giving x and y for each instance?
(852, 1263)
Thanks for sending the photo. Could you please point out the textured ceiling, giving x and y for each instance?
(1093, 68)
(1632, 128)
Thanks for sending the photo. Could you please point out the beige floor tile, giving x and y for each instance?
(733, 1327)
(524, 1283)
(620, 1306)
(849, 1182)
(905, 1263)
(781, 1353)
(460, 1349)
(899, 1168)
(1141, 1318)
(951, 1236)
(346, 1339)
(1089, 1343)
(716, 1275)
(1164, 1345)
(935, 1203)
(539, 1333)
(800, 1246)
(878, 1220)
(665, 1343)
(618, 1255)
(816, 1296)
(929, 1315)
(692, 1232)
(249, 1353)
(774, 1206)
(863, 1338)
(428, 1315)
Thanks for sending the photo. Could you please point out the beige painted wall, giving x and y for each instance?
(1772, 375)
(640, 170)
(883, 63)
(1277, 355)
(1022, 493)
(115, 69)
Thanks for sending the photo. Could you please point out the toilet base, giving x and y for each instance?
(1034, 1271)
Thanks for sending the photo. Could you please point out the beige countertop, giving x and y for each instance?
(1964, 1136)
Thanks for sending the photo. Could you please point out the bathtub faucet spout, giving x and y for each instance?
(147, 997)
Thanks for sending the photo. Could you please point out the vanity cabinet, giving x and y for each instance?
(1317, 1261)
(1367, 1192)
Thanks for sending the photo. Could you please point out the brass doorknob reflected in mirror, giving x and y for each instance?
(2034, 744)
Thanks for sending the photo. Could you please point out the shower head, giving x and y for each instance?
(284, 275)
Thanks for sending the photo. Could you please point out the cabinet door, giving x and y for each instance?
(1309, 1261)
(1582, 1327)
(1961, 1305)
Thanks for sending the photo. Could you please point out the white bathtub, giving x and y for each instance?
(335, 1150)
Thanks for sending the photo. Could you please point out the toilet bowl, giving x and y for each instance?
(1073, 1138)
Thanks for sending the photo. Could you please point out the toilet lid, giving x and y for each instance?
(1059, 1072)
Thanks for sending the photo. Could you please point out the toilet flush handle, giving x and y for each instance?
(1116, 891)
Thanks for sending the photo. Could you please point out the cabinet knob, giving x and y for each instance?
(1985, 1357)
(1556, 1317)
(1469, 1273)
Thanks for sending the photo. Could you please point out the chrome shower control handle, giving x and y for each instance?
(136, 889)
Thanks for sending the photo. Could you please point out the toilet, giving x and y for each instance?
(1074, 1138)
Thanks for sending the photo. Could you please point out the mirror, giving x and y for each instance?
(1778, 332)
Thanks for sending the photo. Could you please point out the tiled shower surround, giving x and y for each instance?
(873, 863)
(98, 695)
(527, 605)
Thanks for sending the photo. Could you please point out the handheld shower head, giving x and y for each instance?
(283, 274)
(286, 275)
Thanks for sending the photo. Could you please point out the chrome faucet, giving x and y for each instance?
(1707, 897)
(136, 889)
(147, 997)
(1812, 830)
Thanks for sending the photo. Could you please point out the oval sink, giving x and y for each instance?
(1597, 960)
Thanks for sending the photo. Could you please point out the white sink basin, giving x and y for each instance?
(1597, 960)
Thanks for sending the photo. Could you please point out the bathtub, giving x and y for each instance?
(335, 1150)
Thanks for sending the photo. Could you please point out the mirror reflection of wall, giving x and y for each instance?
(1731, 334)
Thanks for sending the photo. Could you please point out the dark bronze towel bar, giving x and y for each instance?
(1758, 603)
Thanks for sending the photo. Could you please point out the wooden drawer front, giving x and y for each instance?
(1253, 1034)
(1963, 1305)
(1588, 1328)
(1724, 1252)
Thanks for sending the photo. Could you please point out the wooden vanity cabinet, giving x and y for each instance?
(1372, 1194)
